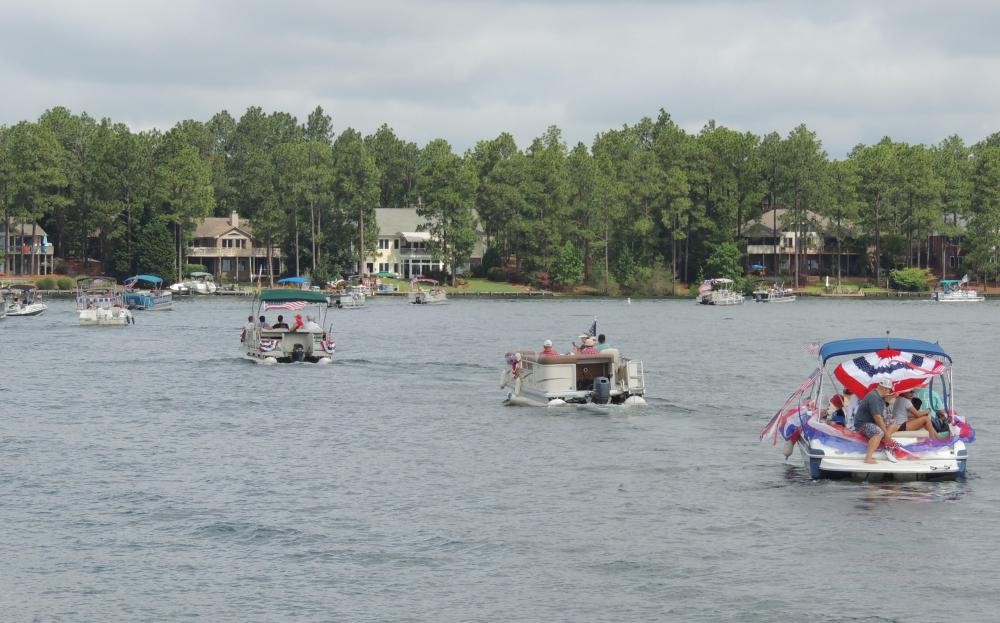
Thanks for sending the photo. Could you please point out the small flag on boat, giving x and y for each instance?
(592, 331)
(705, 287)
(289, 305)
(965, 279)
(812, 348)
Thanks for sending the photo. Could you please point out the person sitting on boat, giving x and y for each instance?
(870, 420)
(547, 348)
(907, 416)
(932, 399)
(262, 323)
(298, 324)
(311, 325)
(587, 345)
(602, 343)
(281, 324)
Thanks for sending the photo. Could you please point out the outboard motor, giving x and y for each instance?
(602, 391)
(298, 353)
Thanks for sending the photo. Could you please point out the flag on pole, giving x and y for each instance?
(705, 287)
(592, 331)
(965, 279)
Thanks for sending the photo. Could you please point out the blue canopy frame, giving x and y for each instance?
(872, 344)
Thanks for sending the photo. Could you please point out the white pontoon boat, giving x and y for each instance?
(298, 343)
(99, 303)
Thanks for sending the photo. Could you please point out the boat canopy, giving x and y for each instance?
(873, 344)
(285, 296)
(949, 281)
(293, 280)
(199, 274)
(148, 278)
(21, 286)
(721, 280)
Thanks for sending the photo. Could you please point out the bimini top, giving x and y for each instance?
(199, 274)
(293, 280)
(286, 296)
(147, 278)
(949, 281)
(873, 344)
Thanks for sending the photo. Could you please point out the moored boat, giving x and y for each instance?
(99, 302)
(197, 283)
(298, 341)
(152, 298)
(955, 291)
(774, 294)
(718, 291)
(830, 449)
(23, 300)
(351, 297)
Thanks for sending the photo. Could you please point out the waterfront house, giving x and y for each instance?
(771, 243)
(403, 248)
(26, 250)
(227, 248)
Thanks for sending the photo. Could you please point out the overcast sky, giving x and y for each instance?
(854, 72)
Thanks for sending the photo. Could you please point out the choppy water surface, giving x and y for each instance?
(148, 473)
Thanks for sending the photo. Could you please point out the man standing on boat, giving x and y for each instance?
(870, 421)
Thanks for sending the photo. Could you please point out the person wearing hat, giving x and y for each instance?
(870, 421)
(586, 347)
(547, 348)
(906, 416)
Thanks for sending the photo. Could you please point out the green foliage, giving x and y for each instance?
(567, 268)
(649, 281)
(195, 268)
(724, 262)
(65, 283)
(46, 283)
(156, 253)
(491, 258)
(911, 279)
(496, 273)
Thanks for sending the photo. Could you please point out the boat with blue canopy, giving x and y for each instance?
(146, 292)
(298, 337)
(927, 437)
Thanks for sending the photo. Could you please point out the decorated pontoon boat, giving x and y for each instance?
(303, 341)
(718, 291)
(590, 376)
(99, 303)
(146, 292)
(774, 294)
(348, 297)
(831, 449)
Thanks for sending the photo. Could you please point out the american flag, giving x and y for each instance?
(705, 287)
(592, 331)
(290, 305)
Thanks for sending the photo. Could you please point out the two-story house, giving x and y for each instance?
(403, 249)
(771, 242)
(226, 247)
(26, 250)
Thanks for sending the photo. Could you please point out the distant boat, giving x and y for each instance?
(426, 296)
(153, 298)
(99, 303)
(774, 294)
(718, 291)
(25, 301)
(196, 283)
(954, 291)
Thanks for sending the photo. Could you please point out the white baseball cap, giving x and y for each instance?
(885, 384)
(547, 343)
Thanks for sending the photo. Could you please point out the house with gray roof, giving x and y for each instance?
(226, 246)
(26, 250)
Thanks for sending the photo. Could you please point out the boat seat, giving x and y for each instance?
(920, 433)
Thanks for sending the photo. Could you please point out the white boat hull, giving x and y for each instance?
(573, 379)
(105, 317)
(32, 309)
(824, 462)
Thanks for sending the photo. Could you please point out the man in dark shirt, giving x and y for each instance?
(869, 420)
(281, 324)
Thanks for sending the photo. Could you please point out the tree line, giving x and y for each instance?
(637, 209)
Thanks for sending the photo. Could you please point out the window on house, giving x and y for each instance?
(395, 243)
(383, 267)
(383, 243)
(955, 261)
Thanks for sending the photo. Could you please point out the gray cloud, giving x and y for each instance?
(464, 71)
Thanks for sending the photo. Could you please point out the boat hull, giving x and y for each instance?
(824, 462)
(601, 379)
(105, 317)
(34, 309)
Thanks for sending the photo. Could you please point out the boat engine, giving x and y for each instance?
(298, 353)
(602, 391)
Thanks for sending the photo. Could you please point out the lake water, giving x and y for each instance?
(148, 473)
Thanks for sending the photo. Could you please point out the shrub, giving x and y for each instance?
(195, 268)
(46, 283)
(65, 283)
(910, 279)
(495, 273)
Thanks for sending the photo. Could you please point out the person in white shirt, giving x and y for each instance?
(311, 325)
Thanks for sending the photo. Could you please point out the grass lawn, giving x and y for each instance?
(485, 285)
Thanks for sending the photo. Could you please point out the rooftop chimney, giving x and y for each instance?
(234, 220)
